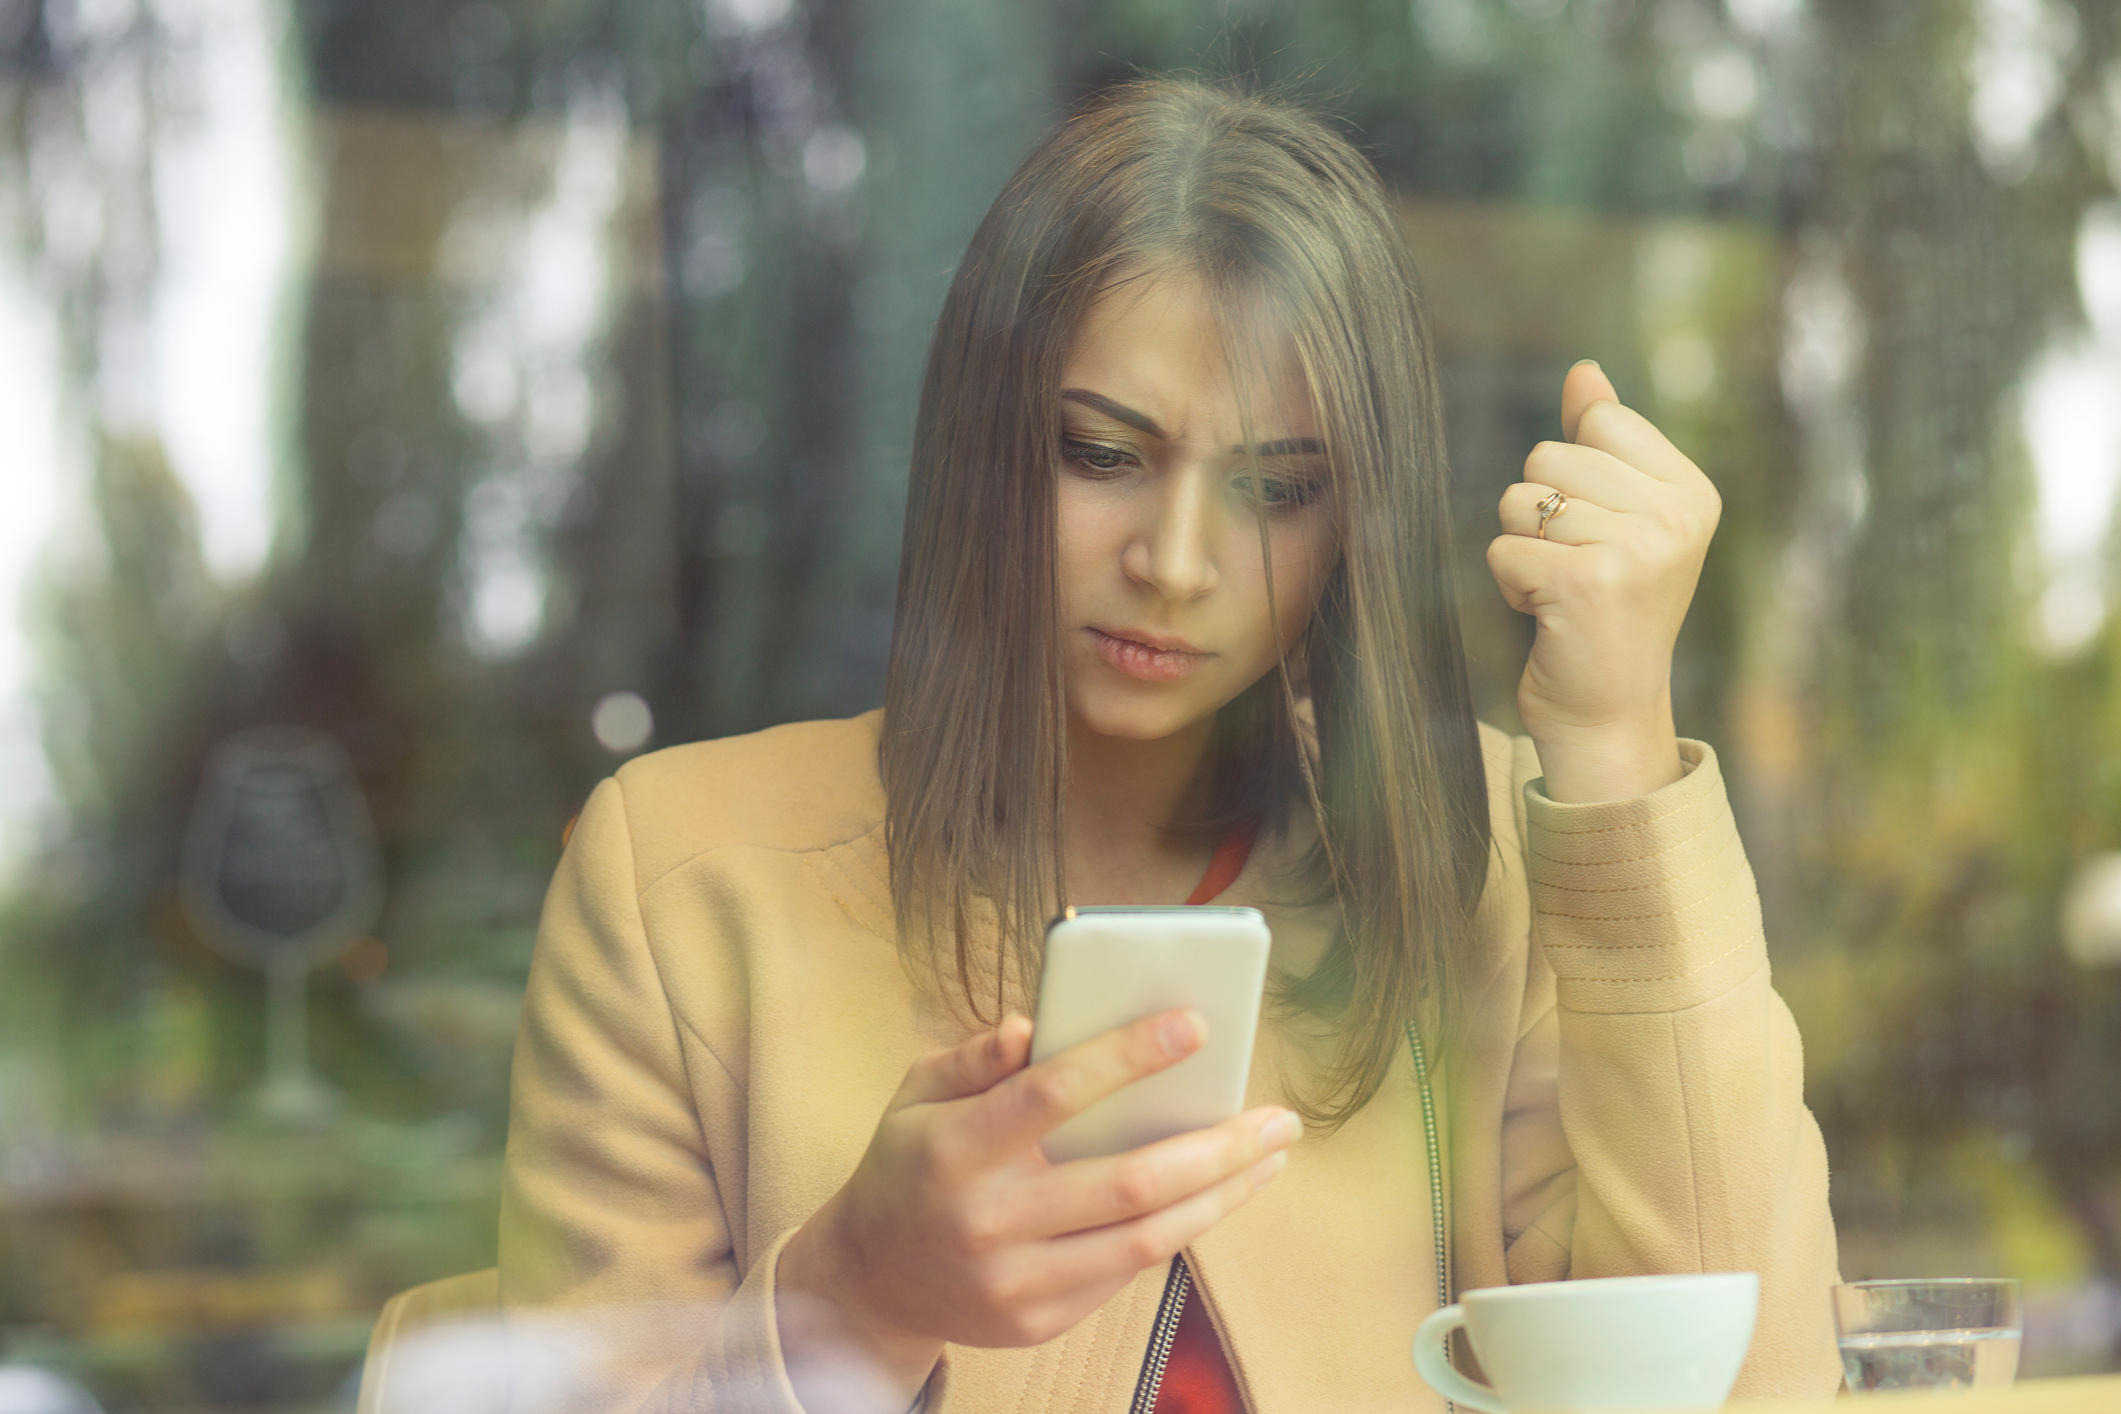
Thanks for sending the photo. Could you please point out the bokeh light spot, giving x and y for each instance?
(622, 722)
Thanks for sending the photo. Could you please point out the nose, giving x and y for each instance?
(1173, 551)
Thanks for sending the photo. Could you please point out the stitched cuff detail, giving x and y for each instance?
(1644, 905)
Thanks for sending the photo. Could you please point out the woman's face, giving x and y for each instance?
(1163, 589)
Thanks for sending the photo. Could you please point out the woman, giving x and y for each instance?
(1175, 621)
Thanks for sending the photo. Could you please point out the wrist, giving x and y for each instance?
(1619, 760)
(823, 1319)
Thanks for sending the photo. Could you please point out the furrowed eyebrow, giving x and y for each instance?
(1142, 422)
(1118, 412)
(1288, 447)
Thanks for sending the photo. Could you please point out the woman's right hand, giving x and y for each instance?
(956, 1227)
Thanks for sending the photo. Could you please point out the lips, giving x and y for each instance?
(1148, 657)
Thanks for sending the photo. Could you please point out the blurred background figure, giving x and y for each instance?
(501, 389)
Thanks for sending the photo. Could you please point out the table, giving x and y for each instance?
(2094, 1394)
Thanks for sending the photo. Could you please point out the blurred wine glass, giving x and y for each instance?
(282, 872)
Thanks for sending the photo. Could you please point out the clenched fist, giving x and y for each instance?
(1608, 586)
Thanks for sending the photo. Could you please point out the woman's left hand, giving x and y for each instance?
(1609, 587)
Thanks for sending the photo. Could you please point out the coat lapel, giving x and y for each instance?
(1318, 1282)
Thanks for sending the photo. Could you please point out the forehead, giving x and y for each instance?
(1156, 344)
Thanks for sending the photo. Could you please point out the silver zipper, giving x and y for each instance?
(1180, 1282)
(1428, 1133)
(1161, 1335)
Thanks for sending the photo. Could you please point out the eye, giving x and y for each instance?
(1093, 455)
(1280, 492)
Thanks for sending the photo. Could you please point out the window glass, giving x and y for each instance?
(412, 410)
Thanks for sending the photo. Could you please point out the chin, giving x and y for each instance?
(1139, 720)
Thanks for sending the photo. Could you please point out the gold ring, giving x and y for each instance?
(1550, 505)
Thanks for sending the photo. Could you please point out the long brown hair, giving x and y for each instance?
(1272, 209)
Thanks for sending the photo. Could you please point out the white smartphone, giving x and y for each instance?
(1105, 967)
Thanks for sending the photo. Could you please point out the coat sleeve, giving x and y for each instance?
(615, 1242)
(1654, 1119)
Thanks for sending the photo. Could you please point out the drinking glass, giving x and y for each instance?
(1960, 1333)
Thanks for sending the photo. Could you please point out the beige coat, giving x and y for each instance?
(717, 1015)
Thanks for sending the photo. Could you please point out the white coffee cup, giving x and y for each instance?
(1660, 1342)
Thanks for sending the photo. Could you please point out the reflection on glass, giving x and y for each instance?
(451, 379)
(281, 873)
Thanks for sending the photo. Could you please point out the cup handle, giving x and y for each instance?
(1432, 1357)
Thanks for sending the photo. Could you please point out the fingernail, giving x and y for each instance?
(1179, 1034)
(1271, 1165)
(1282, 1130)
(1582, 361)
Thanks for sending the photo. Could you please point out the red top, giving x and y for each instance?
(1227, 863)
(1197, 1380)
